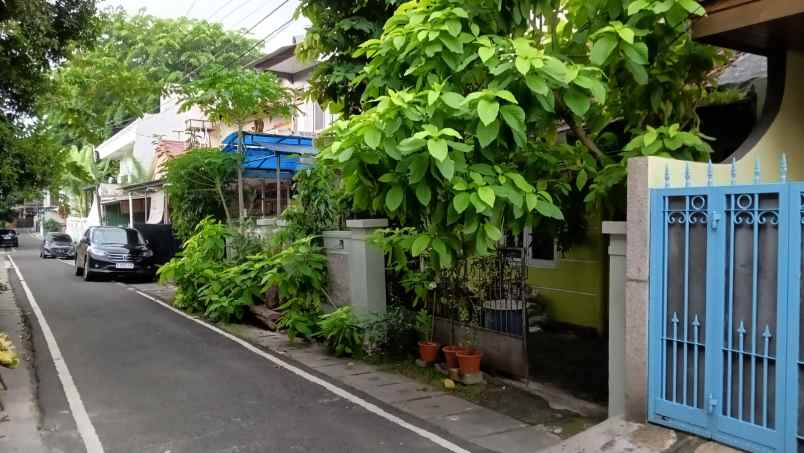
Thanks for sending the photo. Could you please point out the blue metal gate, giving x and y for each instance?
(725, 292)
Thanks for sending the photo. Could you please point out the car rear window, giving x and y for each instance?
(7, 232)
(60, 238)
(117, 236)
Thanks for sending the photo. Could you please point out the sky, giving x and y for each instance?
(233, 14)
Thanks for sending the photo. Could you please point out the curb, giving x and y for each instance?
(19, 421)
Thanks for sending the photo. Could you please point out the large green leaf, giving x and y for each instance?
(487, 134)
(394, 197)
(420, 244)
(423, 193)
(454, 27)
(637, 53)
(460, 202)
(514, 116)
(536, 84)
(549, 210)
(411, 144)
(447, 168)
(692, 7)
(418, 167)
(488, 111)
(602, 48)
(577, 101)
(485, 53)
(438, 148)
(373, 137)
(639, 72)
(452, 99)
(486, 194)
(492, 232)
(522, 65)
(520, 182)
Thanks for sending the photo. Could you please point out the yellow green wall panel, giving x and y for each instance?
(575, 289)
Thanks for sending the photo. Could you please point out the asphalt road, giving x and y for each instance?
(154, 381)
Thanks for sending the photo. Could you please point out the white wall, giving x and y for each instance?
(169, 123)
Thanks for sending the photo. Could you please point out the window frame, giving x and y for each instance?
(538, 262)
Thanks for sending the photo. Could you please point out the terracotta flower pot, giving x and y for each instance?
(469, 361)
(450, 353)
(428, 351)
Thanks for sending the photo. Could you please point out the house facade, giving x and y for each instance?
(136, 194)
(710, 323)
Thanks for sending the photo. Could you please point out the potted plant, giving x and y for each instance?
(468, 356)
(428, 349)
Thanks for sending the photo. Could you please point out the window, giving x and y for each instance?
(116, 236)
(540, 249)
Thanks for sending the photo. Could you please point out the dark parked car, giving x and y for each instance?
(114, 251)
(57, 245)
(8, 238)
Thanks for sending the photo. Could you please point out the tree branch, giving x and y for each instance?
(579, 131)
(584, 137)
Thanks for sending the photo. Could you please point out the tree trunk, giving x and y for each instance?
(219, 189)
(241, 205)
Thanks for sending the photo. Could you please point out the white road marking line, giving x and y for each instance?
(69, 263)
(82, 421)
(373, 408)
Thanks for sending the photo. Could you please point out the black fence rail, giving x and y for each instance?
(487, 292)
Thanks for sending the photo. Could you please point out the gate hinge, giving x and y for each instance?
(713, 402)
(715, 220)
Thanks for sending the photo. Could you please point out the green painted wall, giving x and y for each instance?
(575, 289)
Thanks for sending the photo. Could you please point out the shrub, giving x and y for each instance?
(391, 334)
(299, 272)
(8, 357)
(197, 265)
(341, 331)
(197, 187)
(52, 226)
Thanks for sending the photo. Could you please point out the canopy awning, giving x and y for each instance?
(267, 153)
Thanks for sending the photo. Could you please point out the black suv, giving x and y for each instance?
(57, 245)
(8, 238)
(114, 251)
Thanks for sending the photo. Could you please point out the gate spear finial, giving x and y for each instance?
(667, 176)
(756, 171)
(733, 171)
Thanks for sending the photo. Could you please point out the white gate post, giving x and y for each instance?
(366, 267)
(616, 232)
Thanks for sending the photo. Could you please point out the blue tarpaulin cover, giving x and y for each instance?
(262, 151)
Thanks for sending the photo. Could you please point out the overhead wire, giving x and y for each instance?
(226, 16)
(219, 9)
(192, 5)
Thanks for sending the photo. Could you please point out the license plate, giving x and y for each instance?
(124, 265)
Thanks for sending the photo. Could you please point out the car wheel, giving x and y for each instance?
(88, 275)
(79, 271)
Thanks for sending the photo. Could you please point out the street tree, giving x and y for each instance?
(197, 182)
(236, 96)
(130, 65)
(82, 170)
(336, 31)
(37, 35)
(463, 100)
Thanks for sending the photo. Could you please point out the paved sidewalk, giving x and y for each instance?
(617, 435)
(19, 421)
